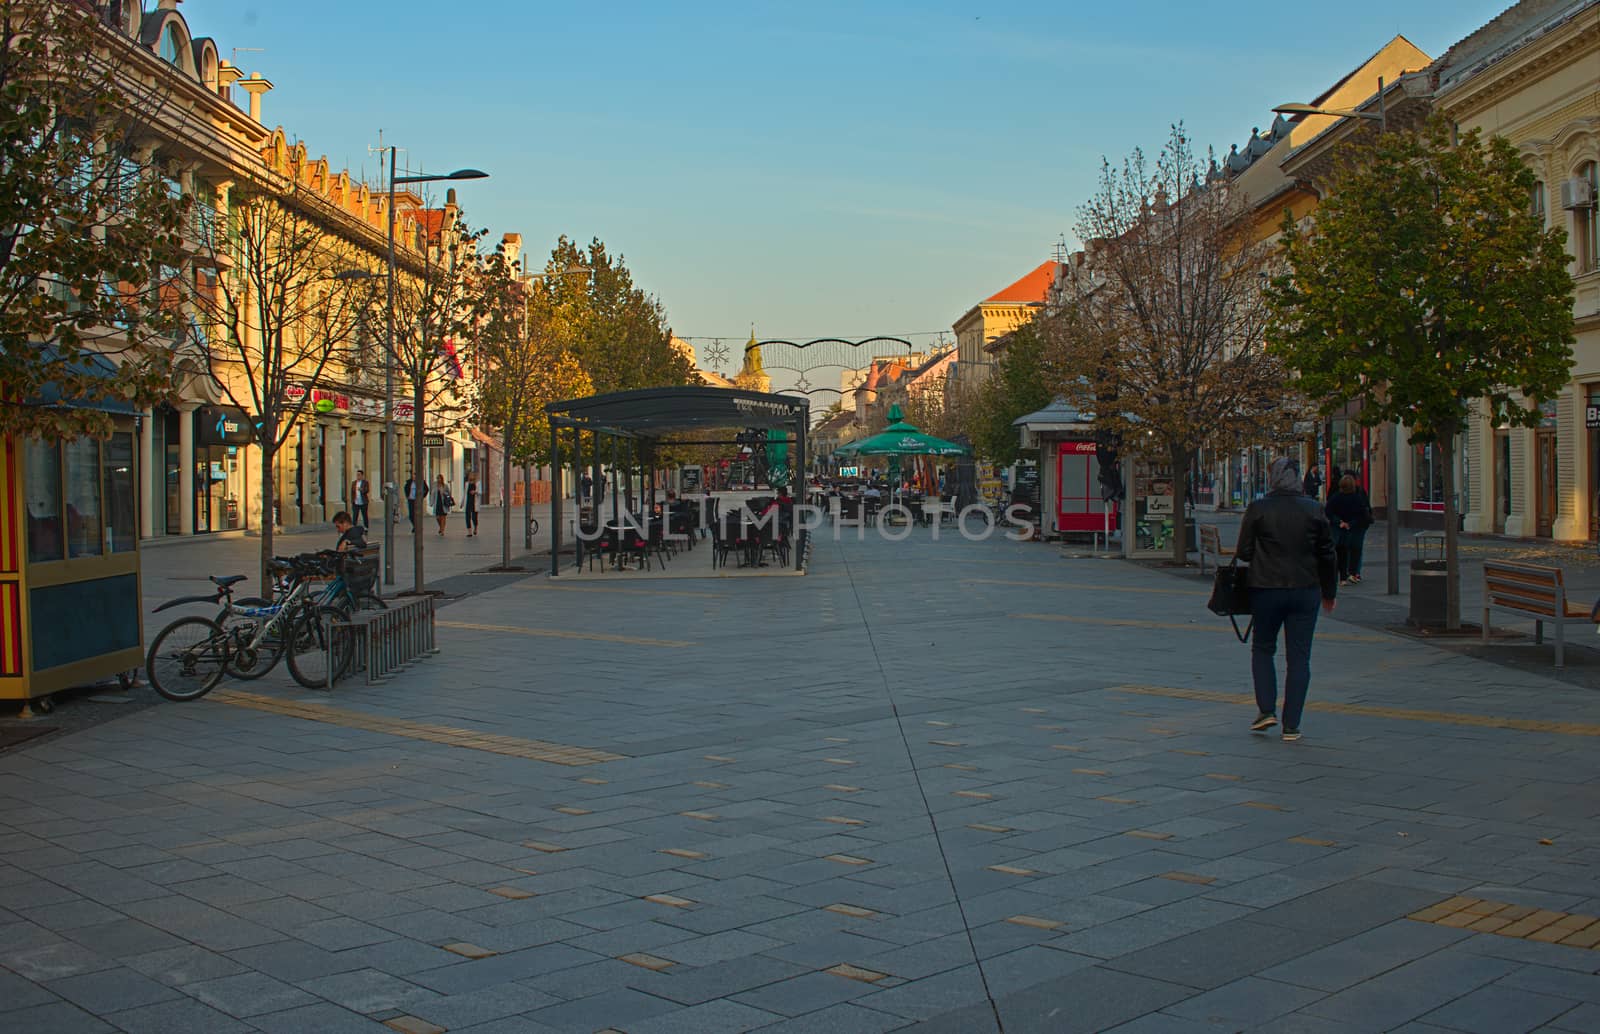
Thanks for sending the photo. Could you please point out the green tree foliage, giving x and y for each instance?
(619, 333)
(1015, 388)
(523, 363)
(90, 237)
(1424, 286)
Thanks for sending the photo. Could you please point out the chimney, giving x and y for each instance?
(255, 86)
(227, 75)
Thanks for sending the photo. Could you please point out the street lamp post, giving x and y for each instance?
(1392, 523)
(389, 473)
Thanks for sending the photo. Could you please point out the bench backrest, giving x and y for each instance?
(1210, 539)
(1530, 587)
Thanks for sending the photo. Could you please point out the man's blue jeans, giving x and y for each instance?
(1295, 612)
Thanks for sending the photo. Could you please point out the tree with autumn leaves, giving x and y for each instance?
(524, 359)
(1426, 285)
(91, 240)
(1160, 330)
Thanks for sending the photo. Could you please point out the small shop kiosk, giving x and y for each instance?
(1069, 469)
(70, 609)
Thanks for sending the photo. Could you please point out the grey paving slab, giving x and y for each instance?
(194, 846)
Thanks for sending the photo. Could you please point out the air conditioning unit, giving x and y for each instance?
(1577, 193)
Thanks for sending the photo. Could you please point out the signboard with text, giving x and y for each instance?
(433, 441)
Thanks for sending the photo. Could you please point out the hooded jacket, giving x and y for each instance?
(1286, 538)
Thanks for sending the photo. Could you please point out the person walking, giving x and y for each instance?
(1350, 513)
(442, 501)
(470, 490)
(1288, 543)
(413, 490)
(358, 498)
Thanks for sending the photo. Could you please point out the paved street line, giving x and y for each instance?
(1344, 637)
(1406, 714)
(534, 585)
(535, 750)
(1081, 585)
(556, 633)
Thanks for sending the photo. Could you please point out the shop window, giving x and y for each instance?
(85, 530)
(122, 515)
(43, 463)
(1428, 486)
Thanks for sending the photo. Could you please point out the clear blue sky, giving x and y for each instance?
(824, 168)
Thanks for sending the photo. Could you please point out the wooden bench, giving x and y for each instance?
(1537, 591)
(1211, 546)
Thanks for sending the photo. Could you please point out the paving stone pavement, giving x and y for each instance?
(872, 799)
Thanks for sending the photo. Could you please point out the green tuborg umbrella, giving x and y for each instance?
(902, 439)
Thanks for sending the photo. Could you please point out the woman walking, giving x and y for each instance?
(471, 511)
(1286, 540)
(442, 502)
(1350, 513)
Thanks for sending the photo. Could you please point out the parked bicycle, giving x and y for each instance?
(249, 636)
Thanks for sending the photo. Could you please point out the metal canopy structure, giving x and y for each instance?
(648, 416)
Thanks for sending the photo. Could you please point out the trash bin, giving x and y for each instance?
(1429, 589)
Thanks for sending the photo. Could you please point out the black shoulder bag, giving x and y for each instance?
(1230, 596)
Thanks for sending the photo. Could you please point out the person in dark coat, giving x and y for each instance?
(1313, 482)
(1288, 543)
(1350, 513)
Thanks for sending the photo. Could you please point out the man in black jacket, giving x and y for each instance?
(1288, 544)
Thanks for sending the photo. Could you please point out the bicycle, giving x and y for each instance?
(189, 657)
(355, 583)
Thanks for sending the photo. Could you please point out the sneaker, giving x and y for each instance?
(1356, 578)
(1263, 722)
(1290, 735)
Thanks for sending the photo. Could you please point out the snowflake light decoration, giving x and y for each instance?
(717, 353)
(802, 384)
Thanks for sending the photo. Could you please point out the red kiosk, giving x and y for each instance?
(1070, 470)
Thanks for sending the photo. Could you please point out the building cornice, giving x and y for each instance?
(1504, 77)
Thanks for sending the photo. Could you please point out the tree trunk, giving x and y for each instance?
(1180, 455)
(1452, 561)
(419, 472)
(527, 505)
(505, 481)
(269, 492)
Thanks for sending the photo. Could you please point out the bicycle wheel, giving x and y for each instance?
(244, 662)
(187, 658)
(308, 656)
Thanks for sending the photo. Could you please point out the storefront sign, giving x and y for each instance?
(293, 393)
(365, 407)
(404, 410)
(324, 400)
(1591, 416)
(223, 425)
(849, 472)
(1079, 447)
(433, 441)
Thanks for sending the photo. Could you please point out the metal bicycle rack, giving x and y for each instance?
(387, 641)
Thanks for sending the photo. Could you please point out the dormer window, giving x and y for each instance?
(171, 45)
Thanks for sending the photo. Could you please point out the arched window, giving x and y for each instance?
(171, 45)
(130, 17)
(1588, 225)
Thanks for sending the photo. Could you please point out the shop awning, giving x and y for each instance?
(91, 364)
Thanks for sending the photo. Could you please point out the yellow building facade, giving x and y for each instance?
(1532, 75)
(199, 472)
